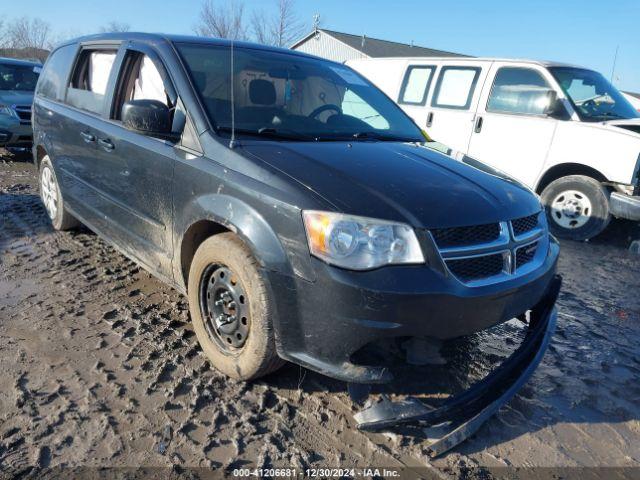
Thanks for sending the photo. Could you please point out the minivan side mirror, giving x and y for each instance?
(147, 117)
(555, 108)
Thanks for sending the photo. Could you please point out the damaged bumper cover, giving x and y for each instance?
(461, 415)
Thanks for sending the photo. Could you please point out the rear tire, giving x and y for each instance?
(577, 207)
(231, 309)
(51, 197)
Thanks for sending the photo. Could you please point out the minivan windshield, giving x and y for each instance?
(593, 97)
(18, 77)
(291, 97)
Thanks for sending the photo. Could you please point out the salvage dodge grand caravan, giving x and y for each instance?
(296, 205)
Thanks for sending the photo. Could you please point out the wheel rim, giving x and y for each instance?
(571, 209)
(224, 306)
(49, 192)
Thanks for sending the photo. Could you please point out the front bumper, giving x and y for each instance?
(461, 415)
(320, 325)
(625, 206)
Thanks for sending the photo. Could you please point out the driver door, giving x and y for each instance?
(511, 132)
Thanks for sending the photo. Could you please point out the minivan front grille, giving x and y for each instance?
(461, 236)
(489, 253)
(525, 254)
(524, 225)
(477, 268)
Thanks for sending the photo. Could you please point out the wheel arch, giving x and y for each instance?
(565, 169)
(215, 214)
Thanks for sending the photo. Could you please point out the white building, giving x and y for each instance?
(341, 47)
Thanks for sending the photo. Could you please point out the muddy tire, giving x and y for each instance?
(231, 309)
(51, 197)
(577, 207)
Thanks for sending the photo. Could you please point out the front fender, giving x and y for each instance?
(251, 226)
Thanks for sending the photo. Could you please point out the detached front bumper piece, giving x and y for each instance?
(625, 206)
(461, 415)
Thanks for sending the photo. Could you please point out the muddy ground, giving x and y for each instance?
(99, 367)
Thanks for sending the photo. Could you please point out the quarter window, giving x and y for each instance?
(52, 83)
(519, 90)
(455, 87)
(90, 79)
(415, 85)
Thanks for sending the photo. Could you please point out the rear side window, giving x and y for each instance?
(89, 80)
(455, 87)
(518, 90)
(52, 83)
(415, 85)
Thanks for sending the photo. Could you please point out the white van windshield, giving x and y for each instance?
(593, 97)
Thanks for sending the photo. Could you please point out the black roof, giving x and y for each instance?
(374, 47)
(161, 37)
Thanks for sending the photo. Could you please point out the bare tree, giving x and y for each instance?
(115, 26)
(222, 21)
(280, 29)
(25, 38)
(286, 27)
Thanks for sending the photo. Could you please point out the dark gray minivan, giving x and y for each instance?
(301, 211)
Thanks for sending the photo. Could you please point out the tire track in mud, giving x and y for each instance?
(126, 382)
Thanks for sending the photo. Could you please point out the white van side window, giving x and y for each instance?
(455, 87)
(518, 90)
(415, 85)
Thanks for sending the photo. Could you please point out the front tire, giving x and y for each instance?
(51, 197)
(231, 309)
(577, 207)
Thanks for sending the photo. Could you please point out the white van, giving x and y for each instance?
(564, 131)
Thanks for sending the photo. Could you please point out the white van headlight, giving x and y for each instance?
(360, 243)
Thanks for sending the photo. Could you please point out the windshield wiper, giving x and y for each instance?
(270, 133)
(383, 137)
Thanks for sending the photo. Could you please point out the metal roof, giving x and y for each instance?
(376, 48)
(633, 94)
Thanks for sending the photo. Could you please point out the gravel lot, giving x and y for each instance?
(99, 367)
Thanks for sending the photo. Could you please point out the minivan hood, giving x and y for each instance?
(398, 181)
(13, 97)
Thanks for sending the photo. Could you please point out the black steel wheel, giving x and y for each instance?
(225, 308)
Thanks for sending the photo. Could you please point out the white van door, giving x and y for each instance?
(417, 81)
(511, 131)
(453, 103)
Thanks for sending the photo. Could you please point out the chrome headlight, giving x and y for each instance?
(7, 110)
(360, 243)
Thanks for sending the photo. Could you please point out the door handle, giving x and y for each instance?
(429, 119)
(88, 137)
(106, 144)
(478, 128)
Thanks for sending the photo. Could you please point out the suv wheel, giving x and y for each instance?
(52, 199)
(231, 309)
(577, 207)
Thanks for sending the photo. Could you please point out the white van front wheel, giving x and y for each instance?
(577, 207)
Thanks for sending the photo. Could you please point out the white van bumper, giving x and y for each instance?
(625, 206)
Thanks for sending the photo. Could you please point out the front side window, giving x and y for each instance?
(90, 78)
(455, 87)
(592, 96)
(291, 96)
(520, 91)
(21, 78)
(415, 85)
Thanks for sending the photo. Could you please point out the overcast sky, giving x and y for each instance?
(583, 32)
